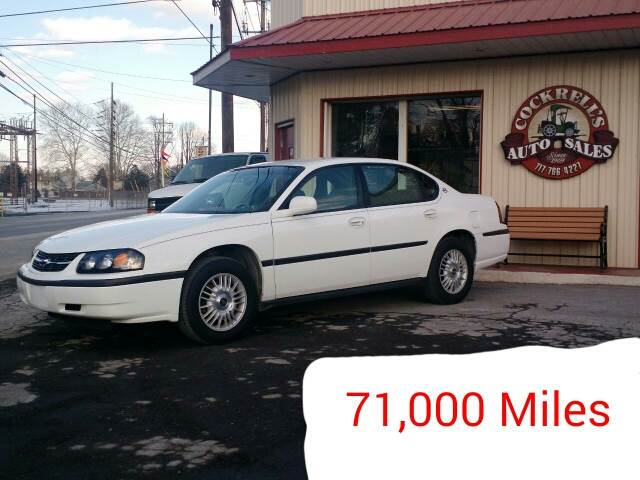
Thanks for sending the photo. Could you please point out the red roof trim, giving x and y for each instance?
(461, 35)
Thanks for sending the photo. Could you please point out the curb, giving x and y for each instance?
(556, 278)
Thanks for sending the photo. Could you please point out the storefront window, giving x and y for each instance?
(444, 139)
(365, 129)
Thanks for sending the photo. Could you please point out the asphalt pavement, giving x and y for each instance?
(85, 399)
(19, 234)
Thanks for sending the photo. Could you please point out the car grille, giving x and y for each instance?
(162, 203)
(52, 262)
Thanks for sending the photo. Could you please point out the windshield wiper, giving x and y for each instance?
(179, 182)
(200, 180)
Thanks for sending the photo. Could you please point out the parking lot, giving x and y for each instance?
(82, 399)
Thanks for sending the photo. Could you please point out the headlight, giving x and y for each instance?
(108, 261)
(35, 251)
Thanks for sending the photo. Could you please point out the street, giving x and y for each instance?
(82, 399)
(20, 234)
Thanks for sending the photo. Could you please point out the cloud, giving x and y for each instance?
(74, 77)
(196, 9)
(107, 28)
(77, 80)
(46, 52)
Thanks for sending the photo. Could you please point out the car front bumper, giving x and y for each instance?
(147, 301)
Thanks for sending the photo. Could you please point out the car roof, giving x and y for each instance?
(215, 155)
(322, 162)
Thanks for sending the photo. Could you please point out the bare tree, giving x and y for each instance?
(189, 135)
(130, 138)
(67, 129)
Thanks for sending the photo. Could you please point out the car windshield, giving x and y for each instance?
(246, 190)
(202, 169)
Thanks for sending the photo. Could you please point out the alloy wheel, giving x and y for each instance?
(454, 271)
(222, 302)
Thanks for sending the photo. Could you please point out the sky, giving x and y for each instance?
(83, 72)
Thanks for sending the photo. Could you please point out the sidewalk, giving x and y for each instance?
(560, 275)
(71, 205)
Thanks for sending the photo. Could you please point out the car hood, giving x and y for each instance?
(173, 191)
(143, 231)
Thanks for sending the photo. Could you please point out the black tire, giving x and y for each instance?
(191, 324)
(434, 290)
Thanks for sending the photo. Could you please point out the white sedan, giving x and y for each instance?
(270, 234)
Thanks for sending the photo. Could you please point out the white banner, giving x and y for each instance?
(526, 413)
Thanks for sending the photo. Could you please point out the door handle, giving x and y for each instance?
(431, 213)
(357, 222)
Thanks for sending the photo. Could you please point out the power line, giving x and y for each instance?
(94, 42)
(194, 25)
(110, 72)
(179, 97)
(42, 112)
(162, 97)
(235, 16)
(60, 112)
(38, 12)
(32, 77)
(17, 65)
(50, 104)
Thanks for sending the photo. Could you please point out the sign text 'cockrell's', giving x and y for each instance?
(560, 132)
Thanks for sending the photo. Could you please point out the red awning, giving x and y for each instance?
(436, 32)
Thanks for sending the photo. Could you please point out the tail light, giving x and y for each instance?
(499, 213)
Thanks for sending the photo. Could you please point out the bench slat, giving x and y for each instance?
(556, 209)
(542, 218)
(565, 230)
(543, 213)
(555, 224)
(555, 236)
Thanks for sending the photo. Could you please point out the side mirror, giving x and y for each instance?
(302, 206)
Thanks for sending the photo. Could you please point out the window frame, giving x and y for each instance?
(326, 125)
(360, 189)
(399, 166)
(276, 197)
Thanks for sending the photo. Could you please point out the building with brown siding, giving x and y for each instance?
(535, 102)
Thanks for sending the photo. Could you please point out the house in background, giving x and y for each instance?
(534, 102)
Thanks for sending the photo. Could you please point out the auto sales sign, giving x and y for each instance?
(560, 132)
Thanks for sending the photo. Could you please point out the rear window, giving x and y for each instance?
(391, 185)
(202, 169)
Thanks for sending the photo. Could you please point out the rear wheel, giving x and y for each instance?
(451, 272)
(219, 301)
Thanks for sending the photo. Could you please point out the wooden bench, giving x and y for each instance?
(559, 224)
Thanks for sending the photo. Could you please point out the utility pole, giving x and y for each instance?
(226, 33)
(210, 57)
(111, 141)
(263, 105)
(162, 154)
(34, 163)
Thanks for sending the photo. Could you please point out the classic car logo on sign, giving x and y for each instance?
(560, 132)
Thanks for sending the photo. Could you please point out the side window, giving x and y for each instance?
(334, 188)
(430, 188)
(391, 185)
(257, 159)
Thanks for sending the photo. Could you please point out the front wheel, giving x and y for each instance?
(219, 301)
(450, 273)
